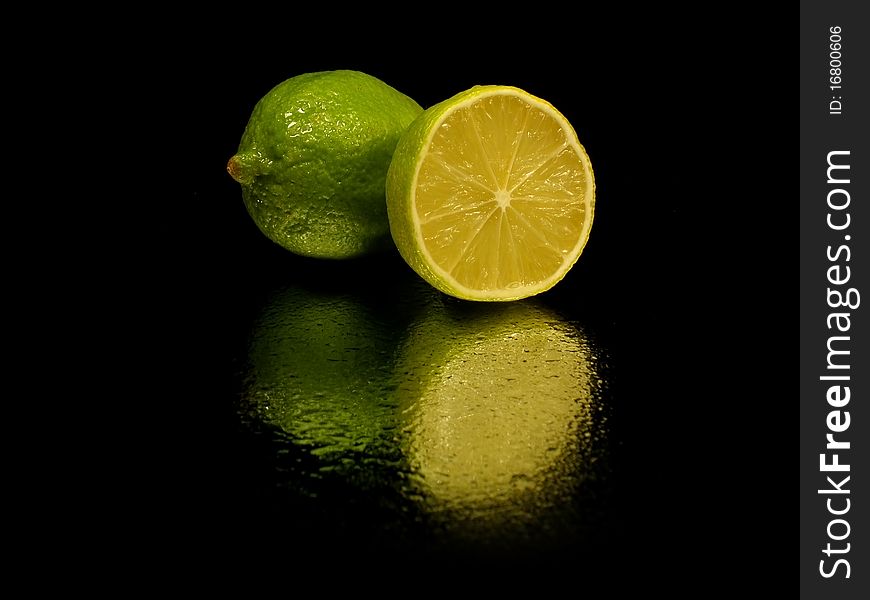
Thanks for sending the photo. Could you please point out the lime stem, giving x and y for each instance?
(240, 168)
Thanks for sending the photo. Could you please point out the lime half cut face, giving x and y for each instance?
(491, 195)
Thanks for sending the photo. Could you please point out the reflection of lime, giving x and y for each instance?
(478, 422)
(313, 160)
(490, 195)
(499, 413)
(318, 364)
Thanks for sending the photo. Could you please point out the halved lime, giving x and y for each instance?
(490, 195)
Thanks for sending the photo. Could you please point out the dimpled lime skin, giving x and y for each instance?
(313, 161)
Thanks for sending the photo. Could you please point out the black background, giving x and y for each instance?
(681, 277)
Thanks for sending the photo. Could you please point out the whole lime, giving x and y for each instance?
(313, 162)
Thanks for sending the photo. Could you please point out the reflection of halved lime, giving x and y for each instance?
(490, 195)
(500, 414)
(313, 160)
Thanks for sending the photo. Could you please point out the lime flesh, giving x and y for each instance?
(490, 195)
